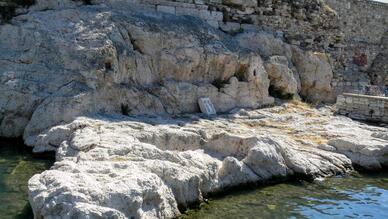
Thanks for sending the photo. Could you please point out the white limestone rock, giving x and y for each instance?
(367, 153)
(145, 167)
(74, 60)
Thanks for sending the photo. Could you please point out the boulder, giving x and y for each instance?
(282, 78)
(316, 73)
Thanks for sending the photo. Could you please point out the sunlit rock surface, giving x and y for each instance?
(147, 167)
(77, 60)
(113, 88)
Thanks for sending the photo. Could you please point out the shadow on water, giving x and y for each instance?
(17, 165)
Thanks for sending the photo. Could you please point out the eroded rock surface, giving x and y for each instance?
(60, 64)
(148, 167)
(63, 59)
(96, 84)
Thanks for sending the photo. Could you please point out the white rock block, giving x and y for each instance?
(206, 106)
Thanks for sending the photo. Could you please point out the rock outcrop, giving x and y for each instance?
(150, 167)
(282, 78)
(78, 60)
(70, 62)
(113, 88)
(315, 74)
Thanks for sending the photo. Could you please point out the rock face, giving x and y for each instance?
(107, 87)
(149, 167)
(315, 74)
(76, 60)
(72, 62)
(282, 77)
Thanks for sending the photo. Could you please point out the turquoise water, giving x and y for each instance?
(17, 165)
(357, 196)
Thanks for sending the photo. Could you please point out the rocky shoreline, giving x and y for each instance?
(112, 87)
(150, 167)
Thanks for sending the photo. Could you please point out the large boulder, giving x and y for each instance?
(283, 79)
(316, 73)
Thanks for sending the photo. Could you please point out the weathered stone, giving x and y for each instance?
(206, 106)
(316, 73)
(363, 107)
(61, 60)
(282, 78)
(144, 167)
(119, 68)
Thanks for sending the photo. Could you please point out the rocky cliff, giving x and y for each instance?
(156, 63)
(116, 58)
(112, 87)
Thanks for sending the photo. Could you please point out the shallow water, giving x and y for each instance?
(17, 165)
(357, 196)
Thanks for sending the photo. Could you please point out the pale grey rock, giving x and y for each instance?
(69, 60)
(62, 61)
(316, 73)
(381, 135)
(230, 27)
(234, 172)
(266, 160)
(367, 153)
(179, 161)
(41, 5)
(281, 76)
(264, 43)
(76, 60)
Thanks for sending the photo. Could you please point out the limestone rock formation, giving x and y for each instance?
(71, 62)
(316, 73)
(368, 153)
(78, 59)
(281, 76)
(148, 167)
(109, 84)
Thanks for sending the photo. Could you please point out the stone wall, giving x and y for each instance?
(363, 107)
(301, 22)
(363, 23)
